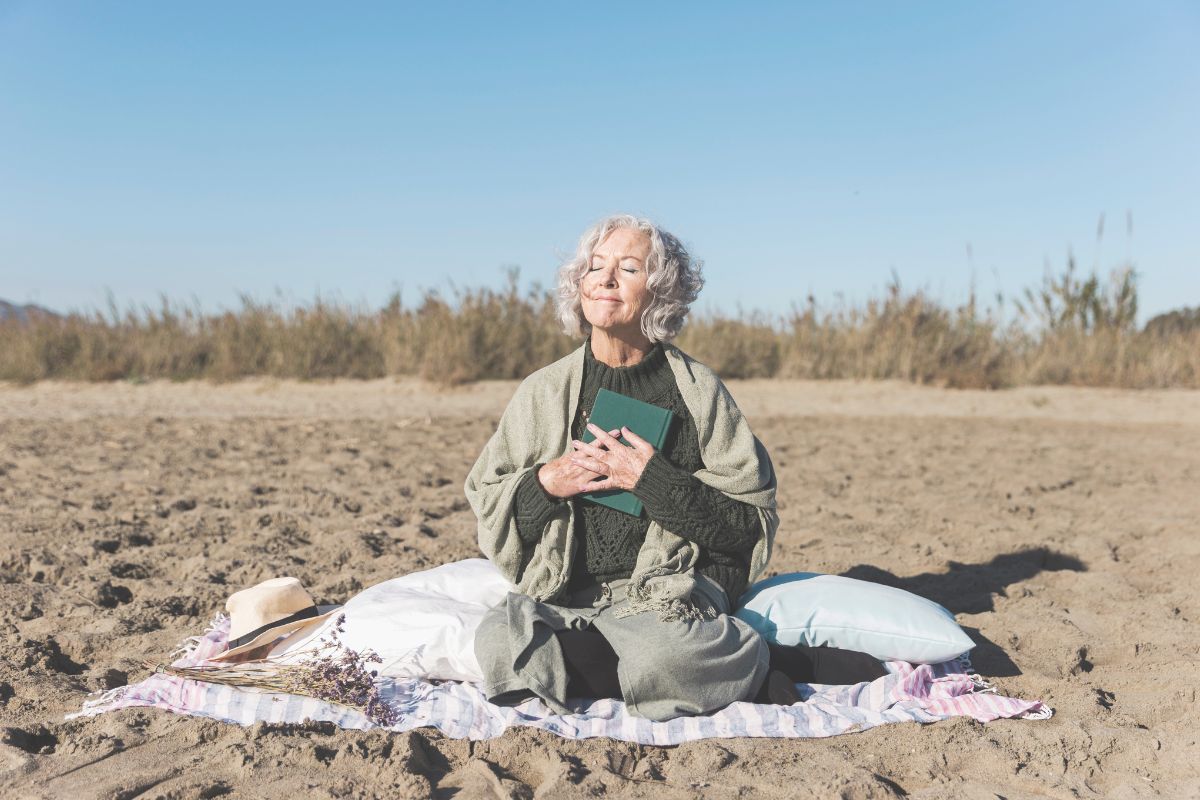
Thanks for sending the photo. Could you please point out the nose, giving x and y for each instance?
(605, 277)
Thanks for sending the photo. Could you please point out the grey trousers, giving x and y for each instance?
(666, 669)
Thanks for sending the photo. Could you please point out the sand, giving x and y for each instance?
(1060, 525)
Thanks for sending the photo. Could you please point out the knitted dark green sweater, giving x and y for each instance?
(607, 541)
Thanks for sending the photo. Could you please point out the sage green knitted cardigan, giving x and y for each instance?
(535, 428)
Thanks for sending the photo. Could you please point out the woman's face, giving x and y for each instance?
(613, 290)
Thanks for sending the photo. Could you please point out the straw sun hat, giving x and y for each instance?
(267, 612)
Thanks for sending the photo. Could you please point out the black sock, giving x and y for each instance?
(778, 690)
(591, 664)
(830, 665)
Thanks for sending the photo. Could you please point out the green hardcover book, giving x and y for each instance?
(613, 410)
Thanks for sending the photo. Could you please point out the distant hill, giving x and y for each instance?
(22, 313)
(1173, 323)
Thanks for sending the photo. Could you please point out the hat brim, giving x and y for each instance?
(274, 634)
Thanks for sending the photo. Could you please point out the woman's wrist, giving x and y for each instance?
(533, 501)
(537, 477)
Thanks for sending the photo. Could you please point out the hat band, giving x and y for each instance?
(306, 613)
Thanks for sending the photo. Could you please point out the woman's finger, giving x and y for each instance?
(598, 486)
(570, 465)
(603, 435)
(635, 440)
(586, 448)
(599, 467)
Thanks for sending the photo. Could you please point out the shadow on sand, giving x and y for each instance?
(970, 588)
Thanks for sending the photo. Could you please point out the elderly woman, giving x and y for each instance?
(609, 604)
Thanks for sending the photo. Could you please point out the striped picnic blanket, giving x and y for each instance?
(909, 693)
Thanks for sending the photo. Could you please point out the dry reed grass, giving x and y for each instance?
(1067, 331)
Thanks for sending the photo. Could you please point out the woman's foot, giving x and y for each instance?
(829, 665)
(778, 689)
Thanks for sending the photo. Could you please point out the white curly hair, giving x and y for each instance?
(673, 278)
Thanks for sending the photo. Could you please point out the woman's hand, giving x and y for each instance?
(563, 478)
(621, 465)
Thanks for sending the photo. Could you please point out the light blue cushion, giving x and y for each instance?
(891, 624)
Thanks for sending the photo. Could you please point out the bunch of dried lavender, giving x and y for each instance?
(331, 672)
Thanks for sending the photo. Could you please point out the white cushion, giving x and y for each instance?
(422, 624)
(891, 624)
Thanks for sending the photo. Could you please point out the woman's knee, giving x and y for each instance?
(699, 648)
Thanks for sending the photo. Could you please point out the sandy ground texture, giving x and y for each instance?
(1060, 525)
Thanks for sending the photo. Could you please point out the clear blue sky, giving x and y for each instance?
(206, 149)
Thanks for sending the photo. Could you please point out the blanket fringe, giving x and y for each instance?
(98, 705)
(189, 645)
(1045, 712)
(981, 685)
